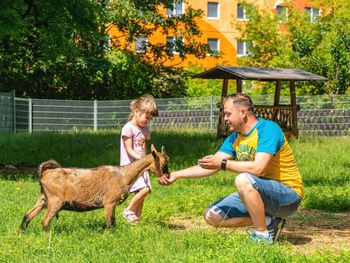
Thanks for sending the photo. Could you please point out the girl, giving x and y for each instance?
(134, 136)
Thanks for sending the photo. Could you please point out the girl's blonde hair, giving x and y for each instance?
(145, 104)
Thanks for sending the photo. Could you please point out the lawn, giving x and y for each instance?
(172, 228)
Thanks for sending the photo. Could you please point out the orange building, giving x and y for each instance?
(219, 27)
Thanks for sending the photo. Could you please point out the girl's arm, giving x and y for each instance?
(129, 149)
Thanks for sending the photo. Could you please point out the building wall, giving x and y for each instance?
(224, 28)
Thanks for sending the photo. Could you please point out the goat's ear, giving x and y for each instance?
(154, 151)
(164, 153)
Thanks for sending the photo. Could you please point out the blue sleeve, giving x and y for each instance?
(227, 145)
(271, 138)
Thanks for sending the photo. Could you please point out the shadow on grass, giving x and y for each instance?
(170, 226)
(19, 174)
(296, 239)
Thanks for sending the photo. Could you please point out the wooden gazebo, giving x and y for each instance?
(284, 115)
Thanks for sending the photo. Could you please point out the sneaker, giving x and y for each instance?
(275, 227)
(259, 238)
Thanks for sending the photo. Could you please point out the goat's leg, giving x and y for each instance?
(110, 214)
(40, 204)
(53, 209)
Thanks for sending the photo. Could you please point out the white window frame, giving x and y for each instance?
(173, 11)
(312, 14)
(245, 17)
(173, 41)
(281, 15)
(141, 50)
(245, 48)
(217, 44)
(108, 45)
(217, 9)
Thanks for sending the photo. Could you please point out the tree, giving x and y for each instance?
(321, 46)
(134, 18)
(41, 36)
(58, 48)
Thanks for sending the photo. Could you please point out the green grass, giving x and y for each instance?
(80, 237)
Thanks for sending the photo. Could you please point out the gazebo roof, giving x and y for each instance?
(261, 74)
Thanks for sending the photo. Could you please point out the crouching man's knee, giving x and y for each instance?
(243, 181)
(212, 217)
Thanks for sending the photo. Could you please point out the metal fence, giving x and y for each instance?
(7, 112)
(322, 115)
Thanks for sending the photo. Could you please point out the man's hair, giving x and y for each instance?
(241, 99)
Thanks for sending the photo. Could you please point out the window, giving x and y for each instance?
(214, 44)
(314, 13)
(282, 12)
(108, 42)
(178, 9)
(141, 44)
(173, 44)
(243, 48)
(241, 12)
(213, 10)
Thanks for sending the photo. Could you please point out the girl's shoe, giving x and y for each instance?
(130, 216)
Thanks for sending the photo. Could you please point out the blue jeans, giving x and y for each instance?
(279, 200)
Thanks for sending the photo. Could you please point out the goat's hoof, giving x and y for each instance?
(109, 226)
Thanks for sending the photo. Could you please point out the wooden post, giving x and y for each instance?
(239, 85)
(221, 124)
(293, 102)
(276, 101)
(277, 93)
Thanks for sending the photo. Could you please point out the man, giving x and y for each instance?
(268, 182)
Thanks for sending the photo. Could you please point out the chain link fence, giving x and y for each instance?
(7, 112)
(320, 115)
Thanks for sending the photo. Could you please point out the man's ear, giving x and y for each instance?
(243, 112)
(154, 151)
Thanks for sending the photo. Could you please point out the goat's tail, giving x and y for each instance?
(50, 164)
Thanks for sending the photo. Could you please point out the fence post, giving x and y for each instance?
(95, 115)
(211, 112)
(14, 110)
(30, 116)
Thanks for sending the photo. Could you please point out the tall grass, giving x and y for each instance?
(160, 236)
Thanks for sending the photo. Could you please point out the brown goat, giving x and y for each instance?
(81, 190)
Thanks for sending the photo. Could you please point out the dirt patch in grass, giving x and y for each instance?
(307, 231)
(311, 230)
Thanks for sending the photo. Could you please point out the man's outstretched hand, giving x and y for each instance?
(211, 162)
(167, 179)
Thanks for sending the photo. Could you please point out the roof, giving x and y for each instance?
(261, 74)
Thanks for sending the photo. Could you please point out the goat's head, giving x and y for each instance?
(160, 164)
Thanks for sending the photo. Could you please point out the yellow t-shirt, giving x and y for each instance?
(267, 136)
